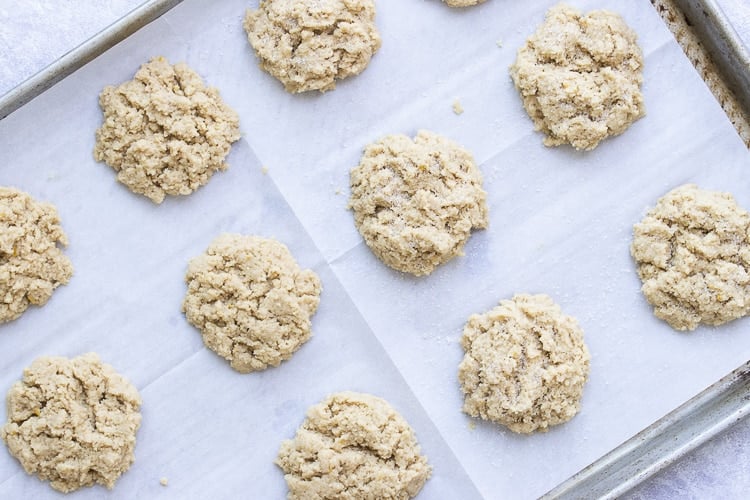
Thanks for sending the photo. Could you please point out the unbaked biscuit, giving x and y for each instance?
(32, 263)
(309, 44)
(164, 132)
(415, 202)
(525, 364)
(353, 446)
(72, 422)
(462, 3)
(580, 77)
(693, 255)
(250, 300)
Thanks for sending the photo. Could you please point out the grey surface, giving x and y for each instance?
(36, 33)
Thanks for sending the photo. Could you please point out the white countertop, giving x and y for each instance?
(35, 33)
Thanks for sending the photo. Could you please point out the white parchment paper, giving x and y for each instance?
(560, 223)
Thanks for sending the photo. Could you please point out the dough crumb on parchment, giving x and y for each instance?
(462, 3)
(416, 201)
(73, 422)
(310, 44)
(693, 256)
(525, 364)
(250, 300)
(580, 77)
(165, 132)
(351, 446)
(32, 263)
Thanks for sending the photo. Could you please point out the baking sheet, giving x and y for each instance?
(560, 223)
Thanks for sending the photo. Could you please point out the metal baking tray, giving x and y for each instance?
(698, 420)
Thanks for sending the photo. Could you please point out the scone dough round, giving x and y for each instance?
(164, 132)
(693, 255)
(32, 263)
(462, 3)
(309, 44)
(72, 422)
(415, 202)
(525, 364)
(580, 77)
(250, 300)
(353, 446)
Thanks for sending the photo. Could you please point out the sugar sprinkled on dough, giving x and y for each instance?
(32, 264)
(693, 255)
(353, 445)
(525, 364)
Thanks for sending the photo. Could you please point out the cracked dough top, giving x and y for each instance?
(32, 263)
(164, 132)
(580, 77)
(525, 365)
(72, 422)
(353, 446)
(416, 201)
(309, 44)
(250, 300)
(693, 255)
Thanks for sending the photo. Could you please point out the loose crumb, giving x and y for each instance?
(264, 169)
(338, 191)
(499, 43)
(457, 108)
(472, 425)
(164, 481)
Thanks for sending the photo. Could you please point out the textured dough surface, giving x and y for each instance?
(415, 202)
(462, 3)
(693, 255)
(309, 44)
(353, 446)
(580, 77)
(32, 264)
(72, 422)
(164, 132)
(525, 365)
(250, 300)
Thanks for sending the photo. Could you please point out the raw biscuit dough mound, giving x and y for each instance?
(525, 365)
(353, 446)
(164, 132)
(309, 44)
(72, 422)
(250, 300)
(415, 202)
(693, 255)
(462, 3)
(580, 77)
(32, 264)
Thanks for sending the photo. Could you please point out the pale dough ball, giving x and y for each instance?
(72, 422)
(525, 365)
(580, 77)
(309, 44)
(353, 446)
(693, 255)
(415, 202)
(164, 132)
(462, 3)
(32, 264)
(250, 300)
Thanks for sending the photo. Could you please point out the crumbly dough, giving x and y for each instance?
(415, 202)
(250, 300)
(164, 132)
(693, 255)
(525, 365)
(309, 44)
(32, 264)
(72, 422)
(580, 77)
(462, 3)
(353, 446)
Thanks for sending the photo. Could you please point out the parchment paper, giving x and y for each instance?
(560, 223)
